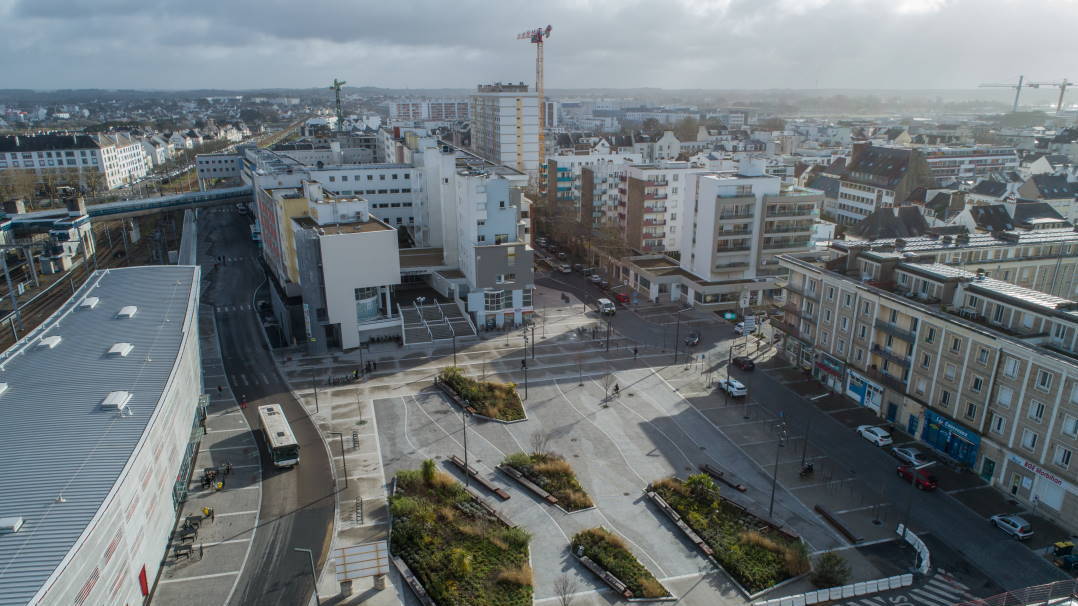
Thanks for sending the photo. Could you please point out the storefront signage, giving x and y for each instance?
(942, 423)
(829, 365)
(1042, 472)
(864, 391)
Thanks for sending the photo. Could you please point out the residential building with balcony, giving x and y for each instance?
(981, 370)
(99, 161)
(579, 190)
(876, 177)
(650, 197)
(950, 165)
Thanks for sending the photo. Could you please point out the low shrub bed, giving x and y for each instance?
(553, 474)
(609, 551)
(460, 553)
(749, 549)
(495, 400)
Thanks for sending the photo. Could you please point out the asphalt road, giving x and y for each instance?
(1001, 558)
(297, 504)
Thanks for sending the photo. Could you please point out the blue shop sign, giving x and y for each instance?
(949, 437)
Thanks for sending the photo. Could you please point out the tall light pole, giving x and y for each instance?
(464, 426)
(344, 463)
(524, 367)
(775, 473)
(913, 488)
(314, 573)
(454, 348)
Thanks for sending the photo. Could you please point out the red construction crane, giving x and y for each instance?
(536, 37)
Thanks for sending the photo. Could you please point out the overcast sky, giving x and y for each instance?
(870, 44)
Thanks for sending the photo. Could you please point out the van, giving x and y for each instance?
(606, 307)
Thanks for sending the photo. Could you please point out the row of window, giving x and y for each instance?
(381, 177)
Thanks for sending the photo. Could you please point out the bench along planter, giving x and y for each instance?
(452, 395)
(532, 486)
(487, 400)
(413, 582)
(487, 507)
(689, 532)
(721, 476)
(621, 588)
(471, 472)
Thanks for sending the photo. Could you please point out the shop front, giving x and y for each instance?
(950, 438)
(829, 371)
(1044, 487)
(863, 391)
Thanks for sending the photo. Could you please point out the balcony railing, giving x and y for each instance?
(895, 331)
(800, 289)
(747, 215)
(787, 230)
(890, 381)
(788, 244)
(655, 183)
(790, 213)
(786, 327)
(654, 221)
(729, 249)
(654, 235)
(655, 196)
(772, 271)
(891, 355)
(654, 209)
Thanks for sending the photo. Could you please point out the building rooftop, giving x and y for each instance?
(974, 240)
(421, 257)
(343, 227)
(64, 451)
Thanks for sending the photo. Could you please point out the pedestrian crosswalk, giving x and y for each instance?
(940, 590)
(232, 308)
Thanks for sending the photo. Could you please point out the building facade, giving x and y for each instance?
(981, 370)
(505, 126)
(101, 161)
(954, 164)
(876, 177)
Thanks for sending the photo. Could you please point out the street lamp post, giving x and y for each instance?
(314, 573)
(677, 336)
(464, 426)
(454, 348)
(524, 367)
(775, 473)
(608, 322)
(344, 462)
(314, 385)
(804, 447)
(913, 488)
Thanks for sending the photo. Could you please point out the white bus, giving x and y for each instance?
(281, 442)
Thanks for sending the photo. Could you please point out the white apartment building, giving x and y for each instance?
(117, 158)
(422, 110)
(505, 126)
(650, 197)
(951, 164)
(584, 187)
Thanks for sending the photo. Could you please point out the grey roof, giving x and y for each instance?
(891, 222)
(57, 439)
(974, 240)
(996, 189)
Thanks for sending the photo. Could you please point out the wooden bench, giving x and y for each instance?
(472, 473)
(837, 525)
(413, 582)
(532, 486)
(721, 476)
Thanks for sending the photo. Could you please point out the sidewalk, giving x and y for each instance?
(204, 568)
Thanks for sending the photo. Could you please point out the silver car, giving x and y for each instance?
(1013, 525)
(910, 456)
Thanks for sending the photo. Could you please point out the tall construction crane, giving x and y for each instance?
(336, 87)
(1017, 90)
(536, 37)
(1062, 90)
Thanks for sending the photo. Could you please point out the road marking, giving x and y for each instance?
(930, 599)
(248, 430)
(958, 490)
(229, 542)
(200, 577)
(236, 513)
(856, 509)
(823, 395)
(245, 381)
(232, 447)
(263, 378)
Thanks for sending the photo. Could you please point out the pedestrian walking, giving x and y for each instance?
(243, 401)
(212, 514)
(374, 364)
(219, 389)
(228, 467)
(636, 351)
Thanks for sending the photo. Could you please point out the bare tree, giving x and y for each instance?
(609, 382)
(564, 588)
(540, 443)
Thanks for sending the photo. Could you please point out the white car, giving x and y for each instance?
(1013, 525)
(910, 456)
(739, 328)
(565, 269)
(876, 435)
(595, 278)
(733, 387)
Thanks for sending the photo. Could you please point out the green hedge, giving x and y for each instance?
(460, 553)
(753, 553)
(553, 474)
(495, 400)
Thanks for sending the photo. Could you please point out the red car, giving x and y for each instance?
(622, 298)
(744, 363)
(925, 479)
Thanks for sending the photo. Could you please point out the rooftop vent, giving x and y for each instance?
(116, 400)
(89, 303)
(50, 342)
(10, 525)
(121, 349)
(127, 311)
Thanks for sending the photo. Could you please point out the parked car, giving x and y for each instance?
(744, 363)
(578, 266)
(564, 268)
(925, 480)
(876, 435)
(603, 284)
(692, 340)
(911, 456)
(622, 298)
(595, 278)
(563, 255)
(606, 307)
(739, 328)
(733, 387)
(1013, 525)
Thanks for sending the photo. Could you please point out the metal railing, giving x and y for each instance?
(894, 330)
(1047, 594)
(895, 357)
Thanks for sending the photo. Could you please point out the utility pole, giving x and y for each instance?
(344, 462)
(314, 573)
(464, 426)
(314, 386)
(11, 289)
(775, 472)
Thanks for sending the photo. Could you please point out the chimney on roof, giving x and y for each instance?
(900, 243)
